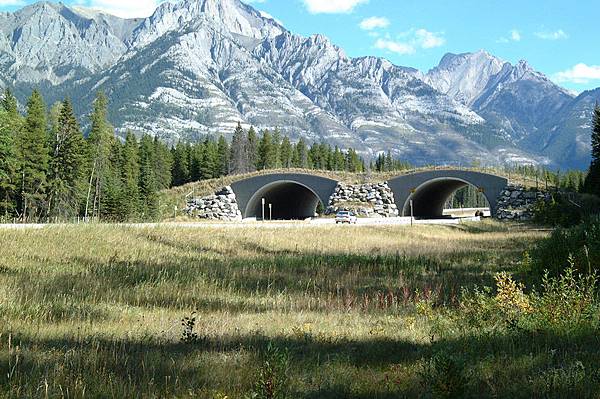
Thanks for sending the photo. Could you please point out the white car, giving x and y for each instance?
(345, 217)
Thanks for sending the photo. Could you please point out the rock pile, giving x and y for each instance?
(222, 205)
(516, 203)
(370, 200)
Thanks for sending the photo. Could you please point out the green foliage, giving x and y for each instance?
(592, 181)
(444, 375)
(130, 177)
(566, 210)
(578, 246)
(272, 379)
(33, 157)
(148, 182)
(68, 165)
(568, 302)
(9, 126)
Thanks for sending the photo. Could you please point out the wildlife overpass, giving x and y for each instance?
(297, 195)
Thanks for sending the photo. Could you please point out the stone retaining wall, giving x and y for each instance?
(371, 200)
(222, 205)
(516, 203)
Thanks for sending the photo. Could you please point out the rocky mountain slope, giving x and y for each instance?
(197, 67)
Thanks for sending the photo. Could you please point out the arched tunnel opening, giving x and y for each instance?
(431, 198)
(289, 201)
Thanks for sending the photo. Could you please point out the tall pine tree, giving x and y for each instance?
(100, 144)
(67, 173)
(592, 181)
(130, 176)
(33, 154)
(10, 123)
(148, 183)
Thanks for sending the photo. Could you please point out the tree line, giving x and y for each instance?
(50, 171)
(250, 152)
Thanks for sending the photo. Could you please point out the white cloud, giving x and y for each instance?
(11, 3)
(428, 39)
(409, 42)
(556, 35)
(580, 73)
(125, 9)
(332, 6)
(394, 46)
(374, 23)
(513, 36)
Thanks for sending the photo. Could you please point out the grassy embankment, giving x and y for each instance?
(95, 311)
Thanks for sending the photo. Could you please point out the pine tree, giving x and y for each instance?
(100, 141)
(33, 153)
(196, 152)
(223, 152)
(9, 103)
(209, 168)
(389, 162)
(181, 166)
(266, 152)
(252, 150)
(286, 151)
(163, 163)
(8, 165)
(592, 181)
(301, 155)
(148, 184)
(112, 201)
(67, 172)
(276, 149)
(238, 152)
(10, 124)
(130, 176)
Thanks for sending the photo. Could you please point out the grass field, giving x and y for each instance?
(329, 312)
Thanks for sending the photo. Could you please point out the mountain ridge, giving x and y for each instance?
(198, 67)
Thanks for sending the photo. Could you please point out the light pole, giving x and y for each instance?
(263, 209)
(270, 212)
(411, 213)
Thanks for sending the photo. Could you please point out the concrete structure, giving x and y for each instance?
(429, 190)
(292, 195)
(295, 196)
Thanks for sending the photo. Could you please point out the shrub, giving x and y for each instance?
(444, 375)
(568, 302)
(272, 378)
(566, 210)
(580, 243)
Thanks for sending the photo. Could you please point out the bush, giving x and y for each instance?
(577, 247)
(566, 210)
(444, 375)
(566, 304)
(272, 379)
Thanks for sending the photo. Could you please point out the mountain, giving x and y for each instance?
(198, 67)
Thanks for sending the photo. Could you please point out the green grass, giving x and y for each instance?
(367, 312)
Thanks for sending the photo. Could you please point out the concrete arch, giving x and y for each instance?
(293, 195)
(429, 190)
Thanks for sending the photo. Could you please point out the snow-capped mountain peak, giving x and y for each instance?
(198, 67)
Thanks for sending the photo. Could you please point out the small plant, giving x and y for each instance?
(569, 300)
(444, 376)
(272, 380)
(510, 297)
(188, 335)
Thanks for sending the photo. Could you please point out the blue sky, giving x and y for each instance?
(556, 37)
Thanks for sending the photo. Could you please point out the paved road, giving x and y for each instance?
(399, 221)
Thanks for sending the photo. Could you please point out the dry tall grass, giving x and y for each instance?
(95, 311)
